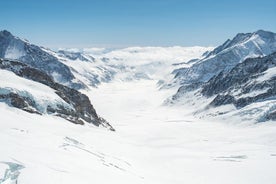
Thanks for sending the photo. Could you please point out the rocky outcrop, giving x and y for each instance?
(19, 102)
(271, 116)
(81, 111)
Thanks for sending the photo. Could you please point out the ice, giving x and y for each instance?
(11, 173)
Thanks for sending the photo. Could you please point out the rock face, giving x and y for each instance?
(12, 47)
(81, 109)
(19, 102)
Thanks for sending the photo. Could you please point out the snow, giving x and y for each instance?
(155, 62)
(41, 94)
(144, 55)
(16, 48)
(183, 149)
(153, 144)
(243, 46)
(14, 52)
(133, 63)
(253, 93)
(267, 75)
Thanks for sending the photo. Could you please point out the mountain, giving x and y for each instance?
(251, 81)
(12, 47)
(153, 143)
(34, 91)
(227, 56)
(234, 80)
(87, 69)
(36, 81)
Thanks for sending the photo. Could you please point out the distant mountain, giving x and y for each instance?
(87, 69)
(227, 56)
(251, 81)
(75, 56)
(12, 47)
(125, 64)
(240, 73)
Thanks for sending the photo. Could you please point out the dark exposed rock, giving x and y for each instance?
(271, 116)
(106, 124)
(222, 100)
(20, 102)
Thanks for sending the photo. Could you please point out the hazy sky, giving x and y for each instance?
(120, 23)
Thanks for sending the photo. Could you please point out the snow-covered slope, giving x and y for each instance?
(153, 144)
(34, 91)
(92, 72)
(43, 96)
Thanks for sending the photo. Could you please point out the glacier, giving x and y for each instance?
(177, 141)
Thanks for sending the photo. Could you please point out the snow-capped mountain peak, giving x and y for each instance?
(258, 38)
(226, 56)
(12, 47)
(240, 73)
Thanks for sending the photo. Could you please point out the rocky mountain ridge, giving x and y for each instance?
(241, 72)
(227, 56)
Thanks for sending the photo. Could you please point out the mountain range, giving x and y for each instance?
(217, 124)
(240, 72)
(227, 56)
(226, 75)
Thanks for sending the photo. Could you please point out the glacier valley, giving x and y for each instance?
(172, 121)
